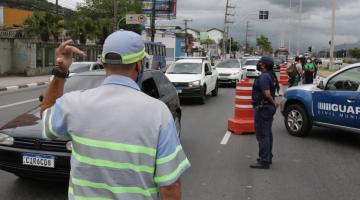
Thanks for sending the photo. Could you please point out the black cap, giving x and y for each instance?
(267, 60)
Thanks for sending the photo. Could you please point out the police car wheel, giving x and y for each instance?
(296, 121)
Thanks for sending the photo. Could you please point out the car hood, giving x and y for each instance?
(183, 78)
(27, 125)
(308, 87)
(228, 70)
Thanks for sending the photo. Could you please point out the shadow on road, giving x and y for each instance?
(336, 137)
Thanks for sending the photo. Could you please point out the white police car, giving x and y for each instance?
(333, 103)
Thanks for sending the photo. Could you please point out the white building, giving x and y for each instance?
(216, 34)
(195, 33)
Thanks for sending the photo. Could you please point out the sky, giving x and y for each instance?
(283, 25)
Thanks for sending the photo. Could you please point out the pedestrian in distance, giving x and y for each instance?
(294, 72)
(309, 69)
(263, 100)
(128, 148)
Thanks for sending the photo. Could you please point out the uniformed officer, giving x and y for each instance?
(125, 144)
(265, 107)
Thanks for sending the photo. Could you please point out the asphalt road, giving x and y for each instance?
(323, 166)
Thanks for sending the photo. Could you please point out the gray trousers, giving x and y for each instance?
(264, 117)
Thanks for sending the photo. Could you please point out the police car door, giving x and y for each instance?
(343, 93)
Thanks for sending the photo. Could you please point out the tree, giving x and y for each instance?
(264, 44)
(44, 25)
(355, 52)
(235, 45)
(82, 28)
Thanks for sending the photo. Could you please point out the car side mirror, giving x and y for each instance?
(321, 85)
(208, 73)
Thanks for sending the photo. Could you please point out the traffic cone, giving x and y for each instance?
(243, 121)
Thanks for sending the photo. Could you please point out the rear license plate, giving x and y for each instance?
(38, 160)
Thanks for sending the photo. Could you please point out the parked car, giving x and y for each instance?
(249, 67)
(194, 78)
(21, 139)
(338, 61)
(333, 103)
(78, 67)
(229, 71)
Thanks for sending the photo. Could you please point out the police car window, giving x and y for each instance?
(149, 87)
(346, 81)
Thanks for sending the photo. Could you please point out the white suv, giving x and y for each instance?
(193, 78)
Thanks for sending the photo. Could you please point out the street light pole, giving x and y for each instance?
(290, 27)
(332, 45)
(153, 16)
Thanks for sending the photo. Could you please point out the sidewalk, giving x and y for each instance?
(18, 82)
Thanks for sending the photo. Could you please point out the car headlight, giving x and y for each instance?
(6, 140)
(69, 146)
(194, 84)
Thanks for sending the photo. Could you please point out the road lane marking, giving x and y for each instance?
(226, 138)
(19, 103)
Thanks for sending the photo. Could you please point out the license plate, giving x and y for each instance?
(38, 160)
(179, 91)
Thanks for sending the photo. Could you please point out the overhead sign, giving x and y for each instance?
(163, 8)
(136, 19)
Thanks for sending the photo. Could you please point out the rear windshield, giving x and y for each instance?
(185, 68)
(251, 62)
(228, 64)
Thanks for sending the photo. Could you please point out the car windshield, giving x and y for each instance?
(251, 62)
(278, 61)
(185, 68)
(228, 64)
(79, 67)
(75, 83)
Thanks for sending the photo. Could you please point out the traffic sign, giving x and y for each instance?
(136, 19)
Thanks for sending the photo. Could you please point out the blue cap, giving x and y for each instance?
(127, 44)
(267, 60)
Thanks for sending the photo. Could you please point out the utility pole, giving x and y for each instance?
(290, 31)
(153, 16)
(186, 21)
(246, 36)
(226, 22)
(332, 45)
(115, 7)
(57, 8)
(299, 32)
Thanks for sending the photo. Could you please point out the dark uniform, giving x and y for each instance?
(264, 113)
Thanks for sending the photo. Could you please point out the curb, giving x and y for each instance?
(17, 87)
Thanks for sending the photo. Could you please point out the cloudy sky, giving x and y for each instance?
(283, 23)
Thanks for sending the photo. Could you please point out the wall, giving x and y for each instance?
(180, 42)
(5, 55)
(15, 16)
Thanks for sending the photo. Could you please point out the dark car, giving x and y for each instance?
(25, 153)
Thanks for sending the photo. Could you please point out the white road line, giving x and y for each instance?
(226, 138)
(19, 103)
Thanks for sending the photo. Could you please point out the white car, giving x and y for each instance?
(230, 71)
(249, 67)
(193, 78)
(77, 67)
(338, 61)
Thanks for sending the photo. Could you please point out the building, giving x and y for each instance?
(10, 17)
(195, 33)
(216, 34)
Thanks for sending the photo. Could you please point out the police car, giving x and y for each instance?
(333, 103)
